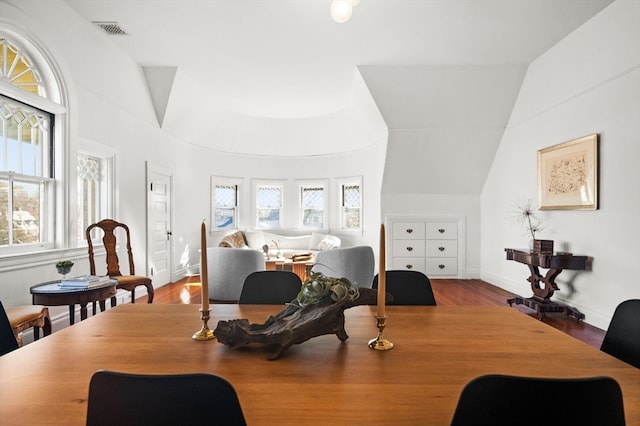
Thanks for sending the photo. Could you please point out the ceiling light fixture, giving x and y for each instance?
(341, 10)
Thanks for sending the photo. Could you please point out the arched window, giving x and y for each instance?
(18, 69)
(29, 108)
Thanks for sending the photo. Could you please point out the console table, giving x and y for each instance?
(51, 294)
(543, 286)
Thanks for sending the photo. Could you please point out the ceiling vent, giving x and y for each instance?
(111, 28)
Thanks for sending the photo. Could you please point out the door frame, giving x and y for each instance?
(151, 169)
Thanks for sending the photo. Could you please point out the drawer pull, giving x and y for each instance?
(409, 230)
(441, 248)
(441, 230)
(409, 248)
(441, 266)
(409, 266)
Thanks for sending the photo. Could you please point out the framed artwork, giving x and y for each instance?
(568, 175)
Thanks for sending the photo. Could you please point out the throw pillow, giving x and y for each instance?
(255, 239)
(315, 240)
(329, 242)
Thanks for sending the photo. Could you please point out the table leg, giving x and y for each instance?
(518, 300)
(300, 269)
(548, 280)
(83, 311)
(72, 314)
(544, 306)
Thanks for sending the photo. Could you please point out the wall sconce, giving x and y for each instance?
(341, 10)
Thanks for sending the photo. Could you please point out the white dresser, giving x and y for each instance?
(430, 244)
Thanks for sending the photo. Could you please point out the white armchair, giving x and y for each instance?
(228, 268)
(354, 263)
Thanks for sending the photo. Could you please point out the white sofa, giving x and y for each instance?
(285, 245)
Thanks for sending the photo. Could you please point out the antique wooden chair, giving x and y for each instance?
(127, 282)
(23, 317)
(162, 399)
(496, 399)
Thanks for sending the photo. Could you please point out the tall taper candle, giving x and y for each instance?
(204, 278)
(382, 276)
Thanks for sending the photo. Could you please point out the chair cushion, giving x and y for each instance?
(128, 282)
(21, 314)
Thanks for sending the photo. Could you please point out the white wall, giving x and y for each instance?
(588, 83)
(109, 105)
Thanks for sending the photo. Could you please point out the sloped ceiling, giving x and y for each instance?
(445, 123)
(444, 75)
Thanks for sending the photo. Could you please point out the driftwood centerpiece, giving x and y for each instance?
(318, 309)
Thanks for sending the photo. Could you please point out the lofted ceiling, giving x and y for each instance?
(268, 74)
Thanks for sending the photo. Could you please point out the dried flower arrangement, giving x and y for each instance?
(528, 216)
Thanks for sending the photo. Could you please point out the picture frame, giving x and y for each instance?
(568, 175)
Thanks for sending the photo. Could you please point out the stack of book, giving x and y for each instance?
(300, 257)
(85, 281)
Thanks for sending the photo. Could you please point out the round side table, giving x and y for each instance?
(51, 294)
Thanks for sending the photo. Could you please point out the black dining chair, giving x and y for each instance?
(270, 288)
(622, 338)
(180, 399)
(510, 400)
(8, 341)
(408, 288)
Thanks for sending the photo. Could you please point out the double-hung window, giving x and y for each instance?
(225, 203)
(269, 206)
(350, 203)
(313, 205)
(31, 148)
(26, 175)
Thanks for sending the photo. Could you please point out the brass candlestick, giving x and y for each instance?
(380, 343)
(205, 332)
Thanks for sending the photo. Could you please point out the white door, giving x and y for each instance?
(159, 212)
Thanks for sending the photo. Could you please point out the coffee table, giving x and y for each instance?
(301, 268)
(51, 294)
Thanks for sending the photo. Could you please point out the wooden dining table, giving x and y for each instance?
(438, 349)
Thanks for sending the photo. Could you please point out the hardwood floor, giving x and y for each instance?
(480, 293)
(447, 293)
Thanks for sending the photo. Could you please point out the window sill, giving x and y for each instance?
(11, 262)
